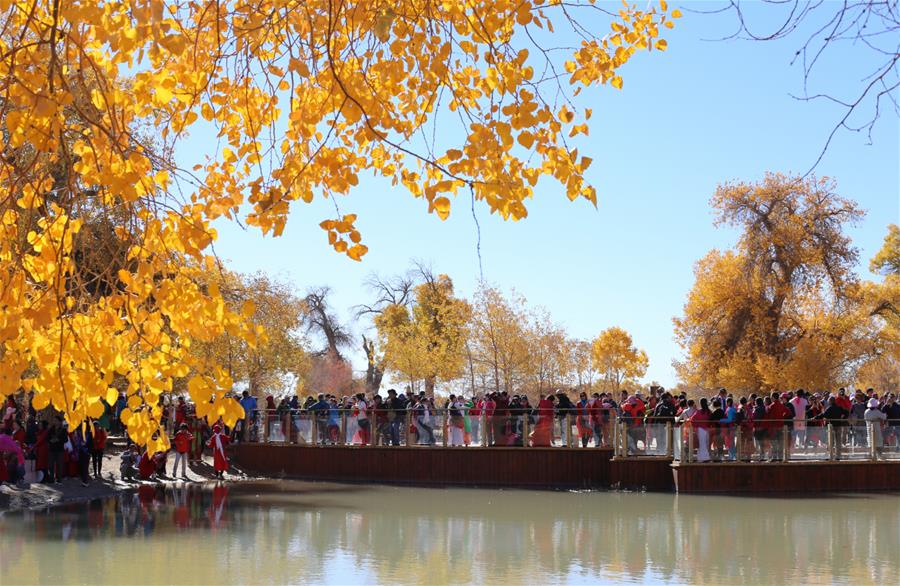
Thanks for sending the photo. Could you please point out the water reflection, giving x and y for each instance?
(300, 532)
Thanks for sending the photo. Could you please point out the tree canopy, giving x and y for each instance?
(304, 98)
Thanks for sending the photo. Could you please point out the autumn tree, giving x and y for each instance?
(781, 309)
(276, 358)
(329, 371)
(303, 98)
(617, 359)
(882, 302)
(388, 292)
(498, 340)
(548, 364)
(582, 361)
(426, 340)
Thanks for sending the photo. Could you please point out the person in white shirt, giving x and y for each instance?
(799, 403)
(362, 419)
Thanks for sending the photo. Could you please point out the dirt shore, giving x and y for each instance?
(36, 495)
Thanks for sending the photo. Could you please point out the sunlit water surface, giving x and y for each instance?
(301, 533)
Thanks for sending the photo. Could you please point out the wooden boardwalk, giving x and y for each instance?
(557, 469)
(543, 468)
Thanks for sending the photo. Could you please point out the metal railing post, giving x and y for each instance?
(870, 432)
(829, 441)
(738, 442)
(343, 440)
(445, 426)
(690, 449)
(525, 427)
(785, 443)
(315, 429)
(484, 429)
(669, 446)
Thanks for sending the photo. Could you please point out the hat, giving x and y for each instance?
(873, 403)
(217, 428)
(785, 396)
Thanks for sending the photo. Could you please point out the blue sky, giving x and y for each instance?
(686, 120)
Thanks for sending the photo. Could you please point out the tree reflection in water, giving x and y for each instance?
(280, 532)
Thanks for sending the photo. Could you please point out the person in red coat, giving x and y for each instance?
(541, 436)
(182, 446)
(776, 414)
(146, 467)
(217, 442)
(42, 452)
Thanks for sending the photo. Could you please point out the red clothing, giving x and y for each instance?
(146, 467)
(543, 429)
(776, 413)
(183, 441)
(180, 414)
(700, 419)
(220, 460)
(489, 407)
(99, 438)
(843, 402)
(42, 450)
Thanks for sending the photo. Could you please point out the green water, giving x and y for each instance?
(307, 533)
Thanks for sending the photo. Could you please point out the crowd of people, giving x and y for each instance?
(765, 426)
(42, 443)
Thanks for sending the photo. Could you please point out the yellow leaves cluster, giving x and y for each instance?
(104, 241)
(344, 237)
(784, 307)
(616, 358)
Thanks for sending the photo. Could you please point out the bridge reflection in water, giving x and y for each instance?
(279, 532)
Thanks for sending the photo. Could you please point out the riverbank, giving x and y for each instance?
(37, 495)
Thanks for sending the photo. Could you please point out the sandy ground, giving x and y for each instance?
(34, 495)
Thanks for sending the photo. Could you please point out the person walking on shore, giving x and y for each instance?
(56, 447)
(97, 449)
(182, 442)
(217, 442)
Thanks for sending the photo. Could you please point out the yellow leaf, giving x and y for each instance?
(442, 207)
(526, 139)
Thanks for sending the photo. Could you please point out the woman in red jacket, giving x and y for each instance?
(42, 452)
(217, 442)
(700, 422)
(97, 449)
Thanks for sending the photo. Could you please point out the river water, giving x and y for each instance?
(294, 532)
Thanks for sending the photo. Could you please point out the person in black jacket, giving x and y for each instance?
(837, 417)
(663, 413)
(56, 443)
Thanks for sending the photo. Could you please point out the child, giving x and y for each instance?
(217, 442)
(126, 468)
(183, 441)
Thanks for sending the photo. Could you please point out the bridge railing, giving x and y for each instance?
(513, 427)
(748, 441)
(785, 441)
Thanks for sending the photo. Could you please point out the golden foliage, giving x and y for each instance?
(783, 309)
(617, 359)
(304, 98)
(426, 341)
